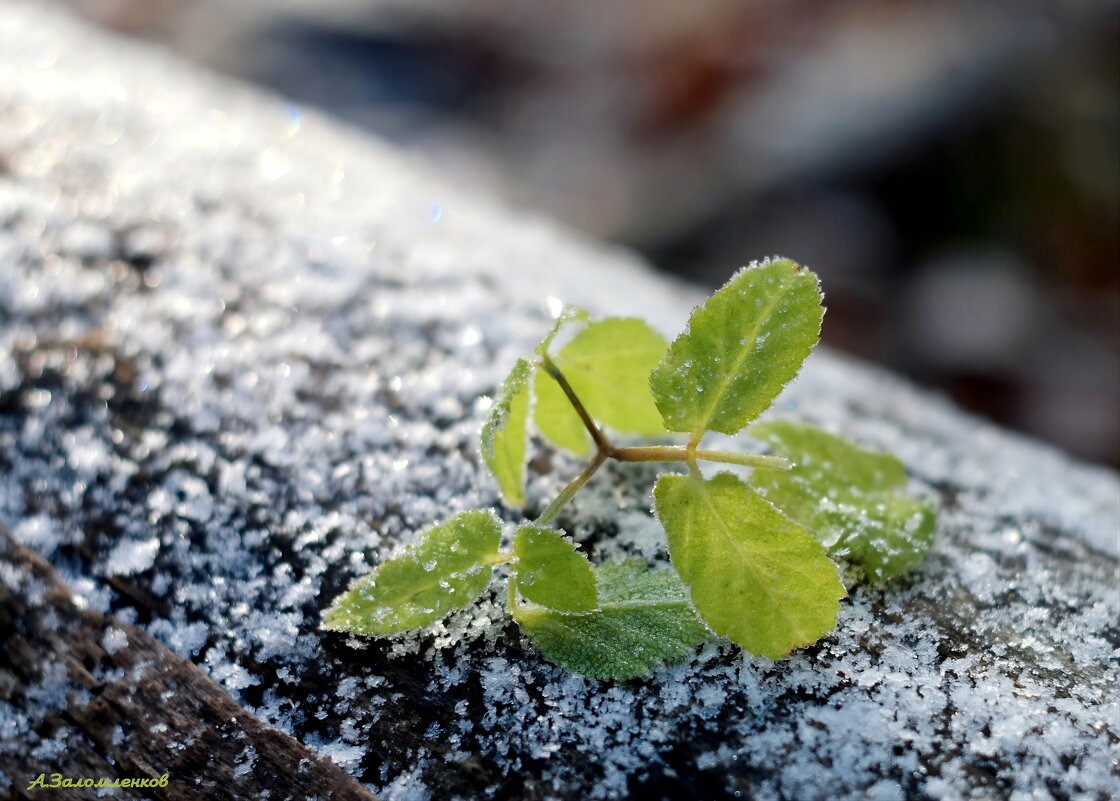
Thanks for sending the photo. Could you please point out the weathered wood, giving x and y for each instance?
(132, 708)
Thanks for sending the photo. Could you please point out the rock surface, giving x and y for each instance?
(241, 357)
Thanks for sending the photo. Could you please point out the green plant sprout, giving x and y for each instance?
(751, 560)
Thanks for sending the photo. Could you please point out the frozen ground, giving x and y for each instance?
(241, 357)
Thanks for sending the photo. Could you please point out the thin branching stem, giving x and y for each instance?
(601, 442)
(549, 514)
(605, 449)
(678, 453)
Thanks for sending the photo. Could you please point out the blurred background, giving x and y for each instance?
(951, 168)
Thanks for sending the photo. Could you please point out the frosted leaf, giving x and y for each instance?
(644, 618)
(567, 316)
(556, 418)
(551, 571)
(742, 345)
(553, 413)
(608, 364)
(447, 569)
(754, 575)
(504, 434)
(847, 497)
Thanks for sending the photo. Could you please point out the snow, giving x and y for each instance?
(49, 750)
(407, 787)
(41, 533)
(114, 640)
(245, 761)
(348, 756)
(290, 390)
(131, 556)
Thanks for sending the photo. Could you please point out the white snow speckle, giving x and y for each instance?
(131, 556)
(245, 761)
(114, 640)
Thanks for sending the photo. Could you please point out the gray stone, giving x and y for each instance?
(241, 356)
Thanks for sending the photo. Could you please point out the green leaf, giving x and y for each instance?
(848, 497)
(553, 413)
(569, 314)
(447, 569)
(741, 347)
(754, 575)
(608, 365)
(505, 433)
(643, 618)
(557, 419)
(550, 571)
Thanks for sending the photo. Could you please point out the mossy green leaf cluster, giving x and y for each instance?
(752, 560)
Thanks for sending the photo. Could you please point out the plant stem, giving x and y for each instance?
(652, 453)
(549, 514)
(601, 442)
(678, 453)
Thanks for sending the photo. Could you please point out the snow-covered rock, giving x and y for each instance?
(242, 352)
